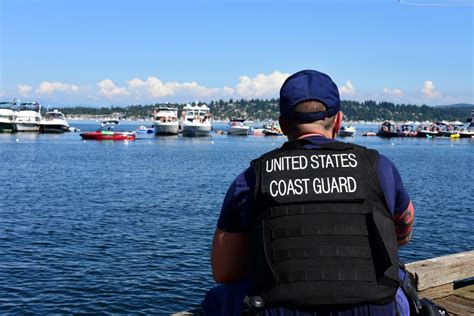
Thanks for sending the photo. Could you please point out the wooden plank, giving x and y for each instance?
(456, 305)
(443, 270)
(466, 292)
(437, 292)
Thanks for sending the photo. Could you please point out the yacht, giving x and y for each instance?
(468, 131)
(54, 122)
(28, 117)
(165, 121)
(236, 126)
(7, 117)
(196, 120)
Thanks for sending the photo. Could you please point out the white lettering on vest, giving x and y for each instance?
(334, 185)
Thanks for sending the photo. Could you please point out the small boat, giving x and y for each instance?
(272, 129)
(7, 117)
(346, 131)
(54, 122)
(407, 130)
(236, 126)
(142, 129)
(106, 132)
(165, 121)
(196, 121)
(387, 129)
(428, 130)
(468, 131)
(28, 117)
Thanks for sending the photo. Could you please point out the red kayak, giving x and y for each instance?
(108, 135)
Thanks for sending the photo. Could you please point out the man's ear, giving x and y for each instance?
(337, 124)
(283, 124)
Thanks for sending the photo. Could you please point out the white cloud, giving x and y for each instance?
(429, 90)
(393, 92)
(24, 90)
(109, 90)
(153, 89)
(347, 89)
(261, 85)
(48, 88)
(3, 93)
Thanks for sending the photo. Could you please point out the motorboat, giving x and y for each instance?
(142, 129)
(237, 126)
(387, 129)
(165, 121)
(468, 131)
(54, 122)
(196, 120)
(7, 117)
(407, 130)
(107, 132)
(347, 131)
(28, 117)
(428, 130)
(272, 129)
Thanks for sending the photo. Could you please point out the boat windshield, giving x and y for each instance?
(7, 105)
(54, 115)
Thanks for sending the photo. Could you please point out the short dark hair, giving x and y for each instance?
(315, 106)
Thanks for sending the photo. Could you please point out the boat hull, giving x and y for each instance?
(196, 130)
(27, 127)
(7, 127)
(166, 129)
(53, 128)
(428, 134)
(241, 131)
(346, 134)
(108, 136)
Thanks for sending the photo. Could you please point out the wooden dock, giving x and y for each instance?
(447, 280)
(442, 280)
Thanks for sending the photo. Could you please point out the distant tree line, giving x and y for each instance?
(264, 109)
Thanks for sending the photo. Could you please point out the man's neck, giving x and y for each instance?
(310, 135)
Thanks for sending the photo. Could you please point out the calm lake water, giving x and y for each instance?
(125, 228)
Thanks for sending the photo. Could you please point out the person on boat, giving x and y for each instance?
(313, 227)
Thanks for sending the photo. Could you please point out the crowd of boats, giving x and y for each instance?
(26, 117)
(196, 121)
(454, 129)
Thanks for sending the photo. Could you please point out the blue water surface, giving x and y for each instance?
(126, 227)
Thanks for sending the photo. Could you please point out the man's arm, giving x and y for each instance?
(228, 256)
(404, 224)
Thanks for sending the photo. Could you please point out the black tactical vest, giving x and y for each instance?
(321, 232)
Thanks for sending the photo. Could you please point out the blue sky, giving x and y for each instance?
(104, 52)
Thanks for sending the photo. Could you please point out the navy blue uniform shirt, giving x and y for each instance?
(238, 204)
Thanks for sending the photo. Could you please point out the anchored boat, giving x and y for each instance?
(347, 131)
(196, 120)
(54, 122)
(107, 132)
(236, 126)
(28, 117)
(7, 117)
(165, 121)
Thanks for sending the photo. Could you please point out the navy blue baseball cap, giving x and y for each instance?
(309, 85)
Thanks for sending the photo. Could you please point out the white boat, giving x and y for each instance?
(28, 117)
(347, 131)
(7, 117)
(236, 126)
(165, 121)
(468, 131)
(54, 122)
(196, 120)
